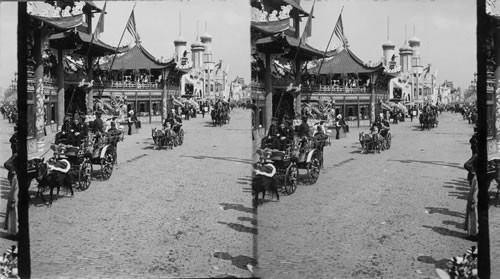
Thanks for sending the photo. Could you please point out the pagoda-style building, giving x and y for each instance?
(349, 84)
(137, 77)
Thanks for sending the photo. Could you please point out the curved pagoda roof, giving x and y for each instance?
(136, 58)
(82, 43)
(345, 62)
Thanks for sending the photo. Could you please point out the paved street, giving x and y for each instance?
(397, 214)
(184, 212)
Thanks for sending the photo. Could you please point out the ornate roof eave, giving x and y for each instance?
(129, 61)
(341, 65)
(82, 43)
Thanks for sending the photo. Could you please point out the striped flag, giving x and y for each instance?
(100, 24)
(131, 27)
(339, 31)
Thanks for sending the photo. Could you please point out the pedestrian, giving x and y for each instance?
(11, 224)
(203, 111)
(130, 121)
(411, 115)
(98, 125)
(338, 125)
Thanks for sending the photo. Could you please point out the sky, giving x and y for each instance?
(228, 21)
(446, 29)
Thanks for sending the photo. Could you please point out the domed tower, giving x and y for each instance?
(388, 48)
(180, 47)
(197, 49)
(206, 40)
(415, 46)
(405, 53)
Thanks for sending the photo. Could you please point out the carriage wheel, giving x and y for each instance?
(181, 137)
(291, 178)
(388, 141)
(107, 166)
(85, 174)
(313, 169)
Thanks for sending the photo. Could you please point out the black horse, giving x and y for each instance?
(263, 181)
(54, 173)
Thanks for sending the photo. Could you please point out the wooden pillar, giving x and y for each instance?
(269, 93)
(23, 237)
(135, 108)
(358, 112)
(150, 107)
(343, 108)
(60, 89)
(39, 95)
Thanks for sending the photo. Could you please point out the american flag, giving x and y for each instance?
(131, 27)
(339, 31)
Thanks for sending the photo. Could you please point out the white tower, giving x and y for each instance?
(197, 49)
(388, 47)
(415, 46)
(405, 53)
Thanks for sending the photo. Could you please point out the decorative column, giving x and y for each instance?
(60, 89)
(39, 95)
(298, 100)
(497, 90)
(90, 94)
(268, 93)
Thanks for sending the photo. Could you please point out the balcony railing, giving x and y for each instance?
(128, 85)
(335, 89)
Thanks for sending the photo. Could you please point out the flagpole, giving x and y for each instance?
(326, 49)
(119, 43)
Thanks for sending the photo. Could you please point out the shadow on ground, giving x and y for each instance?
(230, 159)
(238, 261)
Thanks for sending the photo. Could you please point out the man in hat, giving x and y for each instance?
(98, 125)
(303, 131)
(272, 135)
(286, 135)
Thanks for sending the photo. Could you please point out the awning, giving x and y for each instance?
(271, 27)
(61, 23)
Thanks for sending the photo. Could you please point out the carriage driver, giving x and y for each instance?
(286, 135)
(381, 124)
(272, 135)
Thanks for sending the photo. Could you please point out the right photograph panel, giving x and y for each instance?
(364, 113)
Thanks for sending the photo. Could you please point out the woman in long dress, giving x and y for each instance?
(11, 212)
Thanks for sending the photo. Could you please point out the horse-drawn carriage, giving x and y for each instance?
(168, 137)
(428, 117)
(220, 113)
(73, 165)
(306, 153)
(375, 141)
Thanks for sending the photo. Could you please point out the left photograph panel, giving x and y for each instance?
(132, 122)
